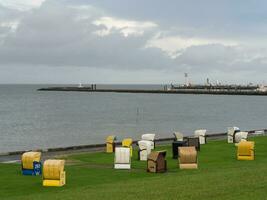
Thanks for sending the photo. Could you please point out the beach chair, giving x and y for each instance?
(122, 158)
(245, 150)
(149, 137)
(110, 143)
(240, 136)
(193, 141)
(178, 136)
(53, 173)
(156, 162)
(144, 149)
(231, 133)
(175, 145)
(201, 134)
(128, 142)
(187, 158)
(31, 163)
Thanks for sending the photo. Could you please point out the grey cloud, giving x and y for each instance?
(52, 36)
(227, 59)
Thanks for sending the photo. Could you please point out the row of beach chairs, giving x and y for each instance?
(185, 150)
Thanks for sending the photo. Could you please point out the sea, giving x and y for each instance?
(32, 119)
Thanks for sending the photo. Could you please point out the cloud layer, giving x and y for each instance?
(99, 37)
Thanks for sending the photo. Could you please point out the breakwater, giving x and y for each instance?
(160, 91)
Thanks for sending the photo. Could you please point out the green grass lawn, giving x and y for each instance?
(91, 176)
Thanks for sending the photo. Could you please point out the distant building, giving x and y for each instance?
(262, 88)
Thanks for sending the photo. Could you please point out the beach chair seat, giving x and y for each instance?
(128, 142)
(149, 137)
(187, 158)
(156, 162)
(110, 143)
(175, 145)
(231, 133)
(245, 150)
(144, 149)
(201, 134)
(31, 163)
(193, 141)
(122, 158)
(178, 136)
(53, 173)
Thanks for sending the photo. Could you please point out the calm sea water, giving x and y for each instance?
(31, 119)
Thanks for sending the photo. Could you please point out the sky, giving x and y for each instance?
(133, 42)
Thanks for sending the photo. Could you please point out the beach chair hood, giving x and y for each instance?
(110, 139)
(53, 173)
(202, 135)
(28, 158)
(148, 136)
(178, 136)
(240, 136)
(231, 132)
(187, 155)
(187, 158)
(144, 145)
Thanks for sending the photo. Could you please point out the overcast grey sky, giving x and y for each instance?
(132, 41)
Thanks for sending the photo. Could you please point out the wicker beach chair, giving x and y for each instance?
(31, 163)
(122, 158)
(53, 173)
(156, 162)
(231, 134)
(245, 150)
(149, 137)
(110, 143)
(201, 134)
(187, 158)
(144, 149)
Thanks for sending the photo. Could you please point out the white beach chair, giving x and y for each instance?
(149, 137)
(201, 134)
(144, 149)
(178, 136)
(240, 137)
(122, 158)
(231, 133)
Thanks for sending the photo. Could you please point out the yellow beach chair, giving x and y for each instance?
(31, 163)
(53, 173)
(110, 144)
(245, 150)
(127, 142)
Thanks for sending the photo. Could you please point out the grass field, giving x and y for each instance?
(91, 176)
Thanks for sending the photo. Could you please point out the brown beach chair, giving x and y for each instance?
(187, 158)
(156, 162)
